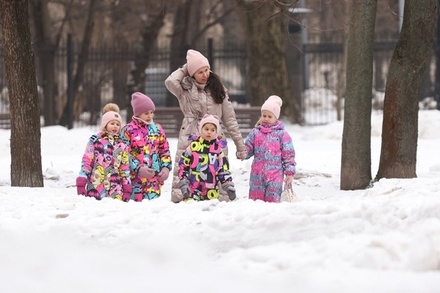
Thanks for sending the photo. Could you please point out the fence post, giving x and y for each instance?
(69, 82)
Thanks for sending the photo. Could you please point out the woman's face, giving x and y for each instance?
(202, 75)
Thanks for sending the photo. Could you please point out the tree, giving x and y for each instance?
(266, 27)
(400, 116)
(356, 156)
(26, 167)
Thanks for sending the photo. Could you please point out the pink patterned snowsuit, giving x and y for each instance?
(274, 157)
(105, 163)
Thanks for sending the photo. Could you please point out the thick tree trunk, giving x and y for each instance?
(22, 85)
(400, 121)
(266, 26)
(356, 156)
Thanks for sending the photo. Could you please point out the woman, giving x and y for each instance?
(200, 92)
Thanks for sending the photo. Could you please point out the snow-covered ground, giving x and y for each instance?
(384, 239)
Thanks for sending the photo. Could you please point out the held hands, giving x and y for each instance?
(241, 155)
(145, 172)
(230, 189)
(81, 185)
(163, 174)
(184, 187)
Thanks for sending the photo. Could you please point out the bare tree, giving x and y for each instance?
(400, 122)
(47, 38)
(356, 156)
(266, 26)
(22, 85)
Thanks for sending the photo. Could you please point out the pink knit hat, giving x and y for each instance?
(141, 104)
(195, 60)
(110, 112)
(273, 104)
(213, 119)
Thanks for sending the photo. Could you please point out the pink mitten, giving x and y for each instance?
(126, 192)
(163, 174)
(81, 185)
(145, 172)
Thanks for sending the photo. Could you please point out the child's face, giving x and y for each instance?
(209, 131)
(147, 116)
(268, 117)
(202, 75)
(113, 127)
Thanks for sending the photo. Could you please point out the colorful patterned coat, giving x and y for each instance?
(105, 163)
(148, 146)
(204, 165)
(274, 157)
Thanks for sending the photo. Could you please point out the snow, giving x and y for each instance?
(382, 239)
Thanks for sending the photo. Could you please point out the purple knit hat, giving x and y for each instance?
(195, 60)
(273, 104)
(213, 119)
(141, 104)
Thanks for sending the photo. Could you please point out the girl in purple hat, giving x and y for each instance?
(148, 146)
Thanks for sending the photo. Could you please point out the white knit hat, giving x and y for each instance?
(273, 104)
(195, 60)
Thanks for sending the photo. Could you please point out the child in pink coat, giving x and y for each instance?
(274, 155)
(203, 164)
(105, 170)
(150, 160)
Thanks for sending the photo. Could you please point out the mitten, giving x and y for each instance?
(184, 187)
(145, 172)
(230, 189)
(81, 185)
(163, 174)
(126, 192)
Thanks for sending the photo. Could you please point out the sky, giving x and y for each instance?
(382, 239)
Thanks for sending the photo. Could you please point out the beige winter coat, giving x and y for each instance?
(195, 103)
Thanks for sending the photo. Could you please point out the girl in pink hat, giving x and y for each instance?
(200, 92)
(203, 165)
(148, 146)
(274, 155)
(105, 170)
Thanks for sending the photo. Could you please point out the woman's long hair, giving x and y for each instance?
(216, 88)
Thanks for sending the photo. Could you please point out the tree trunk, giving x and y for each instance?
(266, 26)
(356, 156)
(83, 56)
(22, 85)
(400, 116)
(45, 51)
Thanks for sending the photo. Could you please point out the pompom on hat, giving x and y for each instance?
(195, 60)
(273, 104)
(110, 112)
(141, 103)
(213, 119)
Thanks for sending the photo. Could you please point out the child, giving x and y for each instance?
(148, 146)
(274, 155)
(203, 164)
(105, 170)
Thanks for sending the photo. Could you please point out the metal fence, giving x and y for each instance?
(107, 70)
